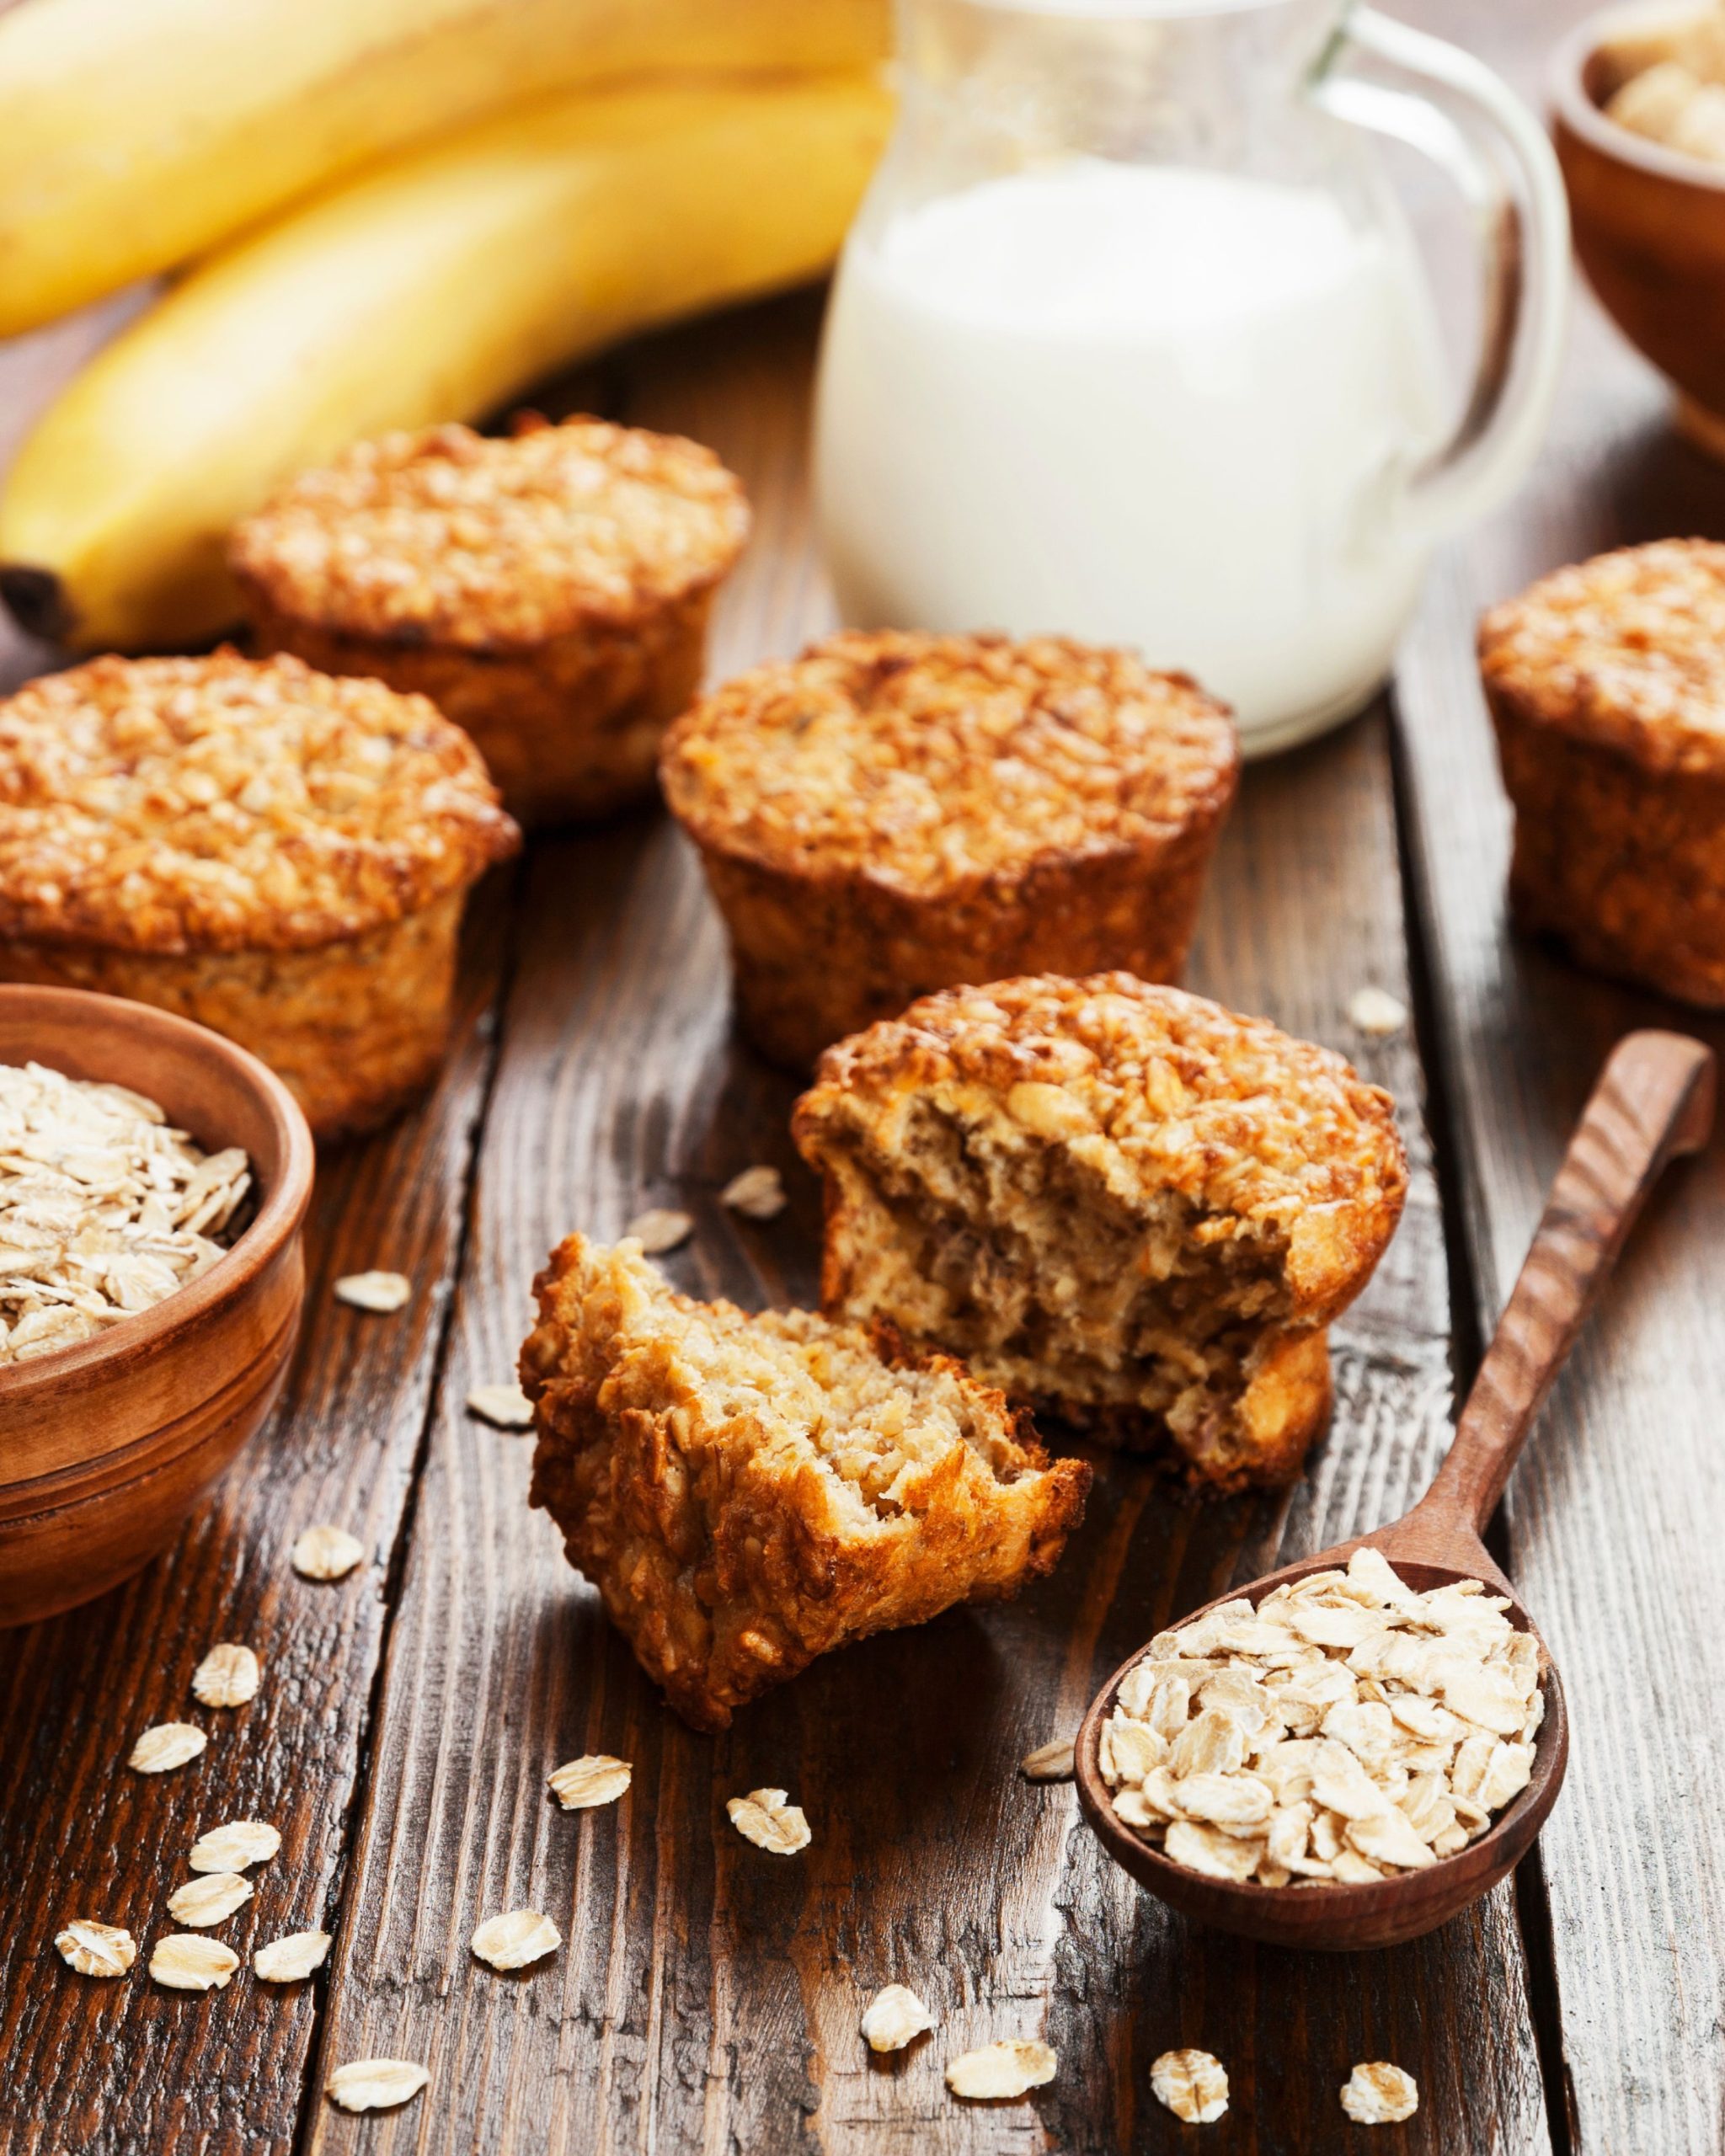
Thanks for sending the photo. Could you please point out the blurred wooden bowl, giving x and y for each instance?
(104, 1448)
(1649, 222)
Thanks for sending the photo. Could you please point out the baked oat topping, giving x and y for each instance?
(659, 1229)
(596, 1778)
(1346, 1730)
(1049, 1762)
(1192, 2084)
(376, 2084)
(1376, 1011)
(381, 1293)
(105, 1209)
(449, 537)
(1379, 2094)
(209, 1899)
(226, 1677)
(166, 1746)
(767, 1817)
(894, 2017)
(511, 1941)
(327, 1553)
(1008, 2068)
(505, 1406)
(1627, 649)
(233, 1847)
(291, 1960)
(184, 1961)
(223, 803)
(757, 1193)
(925, 762)
(96, 1949)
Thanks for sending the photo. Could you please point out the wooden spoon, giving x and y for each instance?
(1654, 1100)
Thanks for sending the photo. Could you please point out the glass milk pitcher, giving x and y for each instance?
(1129, 341)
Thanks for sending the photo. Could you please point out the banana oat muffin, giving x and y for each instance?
(1606, 685)
(549, 592)
(892, 814)
(1117, 1202)
(281, 856)
(747, 1492)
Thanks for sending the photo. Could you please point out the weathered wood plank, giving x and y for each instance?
(708, 1997)
(127, 2067)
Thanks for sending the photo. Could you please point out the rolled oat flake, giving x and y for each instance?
(288, 1960)
(380, 1293)
(505, 1406)
(1192, 2084)
(1378, 2094)
(226, 1677)
(326, 1553)
(768, 1819)
(96, 1949)
(167, 1745)
(596, 1778)
(658, 1228)
(376, 2085)
(1049, 1762)
(1008, 2069)
(894, 2017)
(233, 1847)
(183, 1962)
(511, 1941)
(209, 1899)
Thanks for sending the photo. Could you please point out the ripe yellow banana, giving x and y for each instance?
(136, 134)
(434, 289)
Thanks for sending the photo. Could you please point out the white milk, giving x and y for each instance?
(1148, 406)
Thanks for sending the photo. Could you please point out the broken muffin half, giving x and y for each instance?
(748, 1492)
(1120, 1202)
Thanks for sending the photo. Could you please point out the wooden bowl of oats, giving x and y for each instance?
(153, 1182)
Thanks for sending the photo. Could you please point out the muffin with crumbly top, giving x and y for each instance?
(1606, 684)
(549, 592)
(281, 856)
(891, 813)
(749, 1493)
(1118, 1201)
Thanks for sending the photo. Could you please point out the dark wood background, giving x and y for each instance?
(708, 1997)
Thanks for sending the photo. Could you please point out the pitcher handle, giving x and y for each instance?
(1525, 239)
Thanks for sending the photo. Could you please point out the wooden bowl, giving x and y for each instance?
(1649, 222)
(105, 1446)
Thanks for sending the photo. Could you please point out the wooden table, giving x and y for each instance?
(708, 1997)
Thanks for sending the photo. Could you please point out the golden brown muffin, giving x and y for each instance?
(748, 1492)
(892, 814)
(549, 593)
(1120, 1202)
(1606, 685)
(279, 856)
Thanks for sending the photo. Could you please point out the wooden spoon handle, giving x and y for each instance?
(1654, 1101)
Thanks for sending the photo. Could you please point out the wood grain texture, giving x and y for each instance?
(708, 1995)
(127, 2067)
(1616, 1514)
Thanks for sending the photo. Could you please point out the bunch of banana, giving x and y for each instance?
(433, 288)
(137, 134)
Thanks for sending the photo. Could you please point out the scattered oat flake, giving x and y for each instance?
(183, 1961)
(659, 1229)
(381, 1292)
(1380, 2094)
(226, 1677)
(96, 1949)
(1375, 1011)
(327, 1553)
(209, 1899)
(167, 1745)
(1008, 2068)
(288, 1960)
(513, 1940)
(894, 2017)
(1192, 2084)
(376, 2085)
(596, 1778)
(506, 1405)
(1049, 1762)
(234, 1846)
(758, 1194)
(767, 1817)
